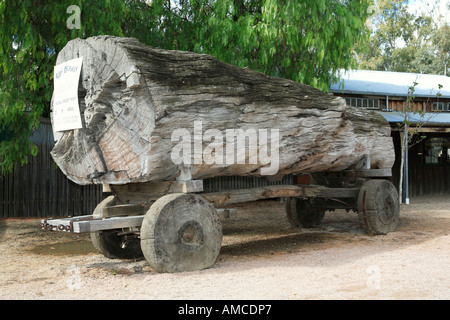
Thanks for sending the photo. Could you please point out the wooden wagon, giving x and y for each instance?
(132, 98)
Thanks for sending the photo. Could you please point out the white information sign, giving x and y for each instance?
(66, 111)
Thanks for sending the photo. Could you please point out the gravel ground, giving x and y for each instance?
(262, 257)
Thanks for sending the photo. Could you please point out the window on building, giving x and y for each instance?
(441, 106)
(437, 150)
(363, 103)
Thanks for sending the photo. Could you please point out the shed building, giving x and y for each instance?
(387, 93)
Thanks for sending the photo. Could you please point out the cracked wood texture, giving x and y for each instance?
(132, 97)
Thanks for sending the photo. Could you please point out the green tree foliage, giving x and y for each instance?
(31, 34)
(406, 42)
(306, 41)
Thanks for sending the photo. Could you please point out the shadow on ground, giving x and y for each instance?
(3, 227)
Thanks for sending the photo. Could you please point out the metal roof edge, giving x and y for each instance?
(384, 94)
(435, 118)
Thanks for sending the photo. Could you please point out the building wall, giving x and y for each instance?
(431, 178)
(395, 103)
(429, 165)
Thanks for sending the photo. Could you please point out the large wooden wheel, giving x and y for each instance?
(301, 213)
(115, 244)
(378, 207)
(181, 232)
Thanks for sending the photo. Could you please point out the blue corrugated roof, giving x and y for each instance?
(432, 118)
(391, 83)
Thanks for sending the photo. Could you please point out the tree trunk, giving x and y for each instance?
(133, 98)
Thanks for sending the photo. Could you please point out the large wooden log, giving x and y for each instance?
(132, 97)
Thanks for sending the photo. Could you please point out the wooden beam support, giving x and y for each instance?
(124, 210)
(107, 224)
(278, 191)
(374, 173)
(152, 191)
(227, 213)
(188, 186)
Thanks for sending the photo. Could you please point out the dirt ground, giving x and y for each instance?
(262, 257)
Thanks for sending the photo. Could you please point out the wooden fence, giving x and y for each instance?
(424, 179)
(429, 180)
(40, 189)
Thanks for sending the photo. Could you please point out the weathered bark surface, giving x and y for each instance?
(132, 97)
